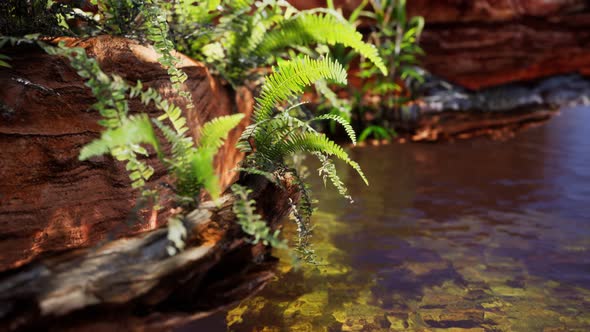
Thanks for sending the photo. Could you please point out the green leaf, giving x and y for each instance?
(214, 132)
(135, 130)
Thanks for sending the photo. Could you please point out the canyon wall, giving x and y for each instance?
(483, 43)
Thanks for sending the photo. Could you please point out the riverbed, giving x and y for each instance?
(479, 235)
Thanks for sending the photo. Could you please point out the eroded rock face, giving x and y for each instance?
(482, 43)
(48, 199)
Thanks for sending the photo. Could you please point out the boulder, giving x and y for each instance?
(51, 201)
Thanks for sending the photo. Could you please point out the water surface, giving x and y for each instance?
(473, 235)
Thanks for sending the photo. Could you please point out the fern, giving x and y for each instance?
(343, 122)
(301, 213)
(133, 131)
(171, 112)
(110, 93)
(273, 137)
(215, 131)
(157, 29)
(290, 78)
(193, 165)
(314, 142)
(305, 28)
(328, 172)
(251, 222)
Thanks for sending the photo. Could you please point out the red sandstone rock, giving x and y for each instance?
(48, 199)
(482, 43)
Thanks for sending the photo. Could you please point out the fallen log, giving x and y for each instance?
(134, 284)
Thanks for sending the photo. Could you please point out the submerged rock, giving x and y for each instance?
(447, 111)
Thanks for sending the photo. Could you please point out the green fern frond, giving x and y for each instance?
(343, 122)
(123, 143)
(203, 171)
(214, 132)
(328, 171)
(314, 142)
(170, 110)
(290, 77)
(251, 222)
(134, 130)
(306, 28)
(157, 29)
(179, 161)
(342, 105)
(193, 167)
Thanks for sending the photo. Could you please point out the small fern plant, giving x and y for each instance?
(125, 135)
(277, 132)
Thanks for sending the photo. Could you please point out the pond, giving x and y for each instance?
(480, 235)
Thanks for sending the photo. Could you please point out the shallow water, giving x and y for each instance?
(479, 235)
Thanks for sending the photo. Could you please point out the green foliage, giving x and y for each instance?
(343, 122)
(304, 29)
(119, 17)
(290, 78)
(156, 27)
(277, 135)
(237, 37)
(301, 214)
(397, 39)
(251, 222)
(191, 165)
(377, 132)
(111, 103)
(19, 18)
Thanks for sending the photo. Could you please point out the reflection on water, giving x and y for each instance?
(472, 235)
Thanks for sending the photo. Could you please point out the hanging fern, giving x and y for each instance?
(191, 164)
(111, 103)
(274, 136)
(328, 172)
(134, 130)
(156, 27)
(313, 142)
(251, 222)
(305, 28)
(340, 120)
(171, 112)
